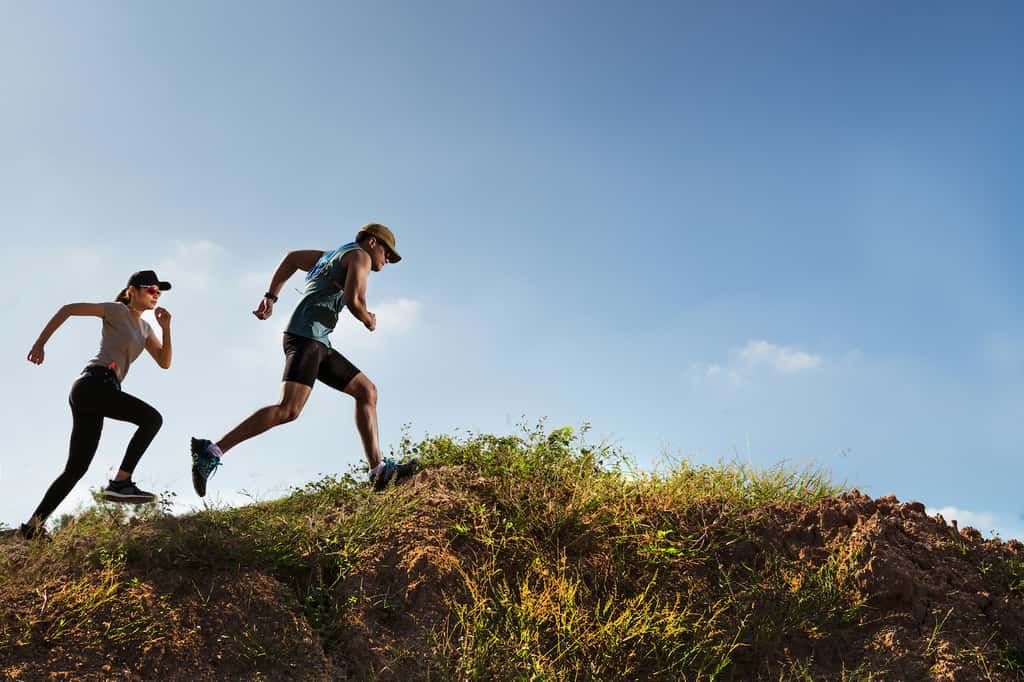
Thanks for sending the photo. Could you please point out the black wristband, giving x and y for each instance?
(270, 296)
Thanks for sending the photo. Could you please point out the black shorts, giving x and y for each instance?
(306, 360)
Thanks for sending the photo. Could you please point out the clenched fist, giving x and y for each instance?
(36, 355)
(163, 318)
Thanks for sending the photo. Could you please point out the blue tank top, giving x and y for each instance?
(323, 298)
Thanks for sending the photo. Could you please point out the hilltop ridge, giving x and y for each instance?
(513, 557)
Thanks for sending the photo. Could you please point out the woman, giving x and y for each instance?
(97, 393)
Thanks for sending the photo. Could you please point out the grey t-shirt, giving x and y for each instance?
(123, 339)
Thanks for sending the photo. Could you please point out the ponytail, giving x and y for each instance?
(123, 297)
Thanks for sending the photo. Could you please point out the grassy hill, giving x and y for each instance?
(531, 557)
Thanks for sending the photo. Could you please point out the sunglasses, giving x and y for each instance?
(151, 290)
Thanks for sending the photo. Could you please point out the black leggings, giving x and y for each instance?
(94, 396)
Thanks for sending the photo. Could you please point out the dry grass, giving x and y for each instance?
(538, 556)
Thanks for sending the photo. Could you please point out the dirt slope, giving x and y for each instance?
(185, 599)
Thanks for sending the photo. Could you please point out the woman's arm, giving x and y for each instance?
(161, 351)
(37, 355)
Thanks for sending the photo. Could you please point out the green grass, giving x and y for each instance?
(584, 570)
(562, 560)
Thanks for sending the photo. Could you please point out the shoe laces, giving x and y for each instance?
(208, 464)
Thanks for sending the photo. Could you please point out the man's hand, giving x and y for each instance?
(371, 321)
(265, 309)
(36, 355)
(163, 318)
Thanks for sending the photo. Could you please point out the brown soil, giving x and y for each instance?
(938, 598)
(941, 603)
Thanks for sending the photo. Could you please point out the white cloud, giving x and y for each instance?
(987, 522)
(394, 318)
(700, 371)
(398, 316)
(191, 264)
(756, 356)
(779, 358)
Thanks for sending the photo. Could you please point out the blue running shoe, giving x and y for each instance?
(203, 464)
(393, 472)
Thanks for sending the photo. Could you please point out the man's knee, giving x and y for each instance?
(364, 390)
(288, 413)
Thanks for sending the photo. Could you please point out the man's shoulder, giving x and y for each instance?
(335, 256)
(352, 255)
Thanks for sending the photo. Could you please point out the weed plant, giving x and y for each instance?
(567, 561)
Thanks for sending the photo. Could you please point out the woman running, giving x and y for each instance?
(97, 393)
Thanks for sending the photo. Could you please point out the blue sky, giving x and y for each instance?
(771, 232)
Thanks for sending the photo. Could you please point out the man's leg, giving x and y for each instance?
(206, 455)
(382, 472)
(338, 373)
(365, 393)
(302, 362)
(293, 398)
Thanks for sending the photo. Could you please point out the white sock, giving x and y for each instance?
(214, 450)
(377, 469)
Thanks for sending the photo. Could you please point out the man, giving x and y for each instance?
(335, 280)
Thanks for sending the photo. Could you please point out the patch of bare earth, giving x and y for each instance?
(936, 604)
(939, 603)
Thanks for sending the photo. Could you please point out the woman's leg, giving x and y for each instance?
(85, 438)
(127, 408)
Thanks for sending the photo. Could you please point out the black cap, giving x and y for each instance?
(147, 278)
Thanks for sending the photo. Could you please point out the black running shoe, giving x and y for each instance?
(127, 491)
(393, 472)
(203, 464)
(29, 532)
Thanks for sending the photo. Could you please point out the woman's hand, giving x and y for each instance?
(163, 318)
(36, 355)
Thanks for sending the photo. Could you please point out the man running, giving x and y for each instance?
(334, 280)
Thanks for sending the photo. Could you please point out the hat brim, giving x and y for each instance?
(393, 256)
(164, 286)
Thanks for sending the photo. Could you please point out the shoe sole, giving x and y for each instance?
(132, 499)
(198, 482)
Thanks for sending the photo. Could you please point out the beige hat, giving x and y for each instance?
(386, 236)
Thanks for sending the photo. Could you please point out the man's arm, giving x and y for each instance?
(358, 269)
(295, 260)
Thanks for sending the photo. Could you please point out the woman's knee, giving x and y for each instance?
(152, 421)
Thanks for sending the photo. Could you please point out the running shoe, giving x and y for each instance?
(126, 491)
(203, 464)
(29, 532)
(393, 472)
